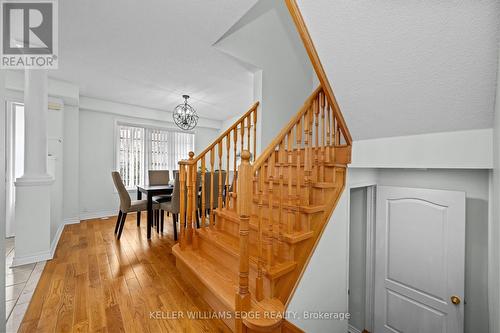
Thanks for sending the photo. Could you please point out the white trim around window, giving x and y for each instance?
(159, 148)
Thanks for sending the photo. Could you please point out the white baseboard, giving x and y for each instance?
(33, 258)
(98, 214)
(71, 220)
(352, 329)
(47, 255)
(55, 241)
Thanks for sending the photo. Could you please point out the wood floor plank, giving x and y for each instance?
(96, 283)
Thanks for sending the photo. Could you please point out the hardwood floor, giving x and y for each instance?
(98, 284)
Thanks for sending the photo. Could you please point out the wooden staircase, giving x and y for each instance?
(247, 256)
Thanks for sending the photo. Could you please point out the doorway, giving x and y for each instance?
(361, 260)
(15, 161)
(406, 260)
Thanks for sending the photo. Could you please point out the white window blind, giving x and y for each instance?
(179, 146)
(157, 147)
(143, 148)
(131, 155)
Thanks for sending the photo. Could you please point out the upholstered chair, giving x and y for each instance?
(126, 204)
(159, 177)
(215, 191)
(173, 206)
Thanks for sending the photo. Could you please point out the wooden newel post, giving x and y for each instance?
(182, 203)
(244, 210)
(190, 203)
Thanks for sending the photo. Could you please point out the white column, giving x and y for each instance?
(36, 113)
(32, 222)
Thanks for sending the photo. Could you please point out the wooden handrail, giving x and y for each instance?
(212, 180)
(281, 135)
(318, 67)
(222, 136)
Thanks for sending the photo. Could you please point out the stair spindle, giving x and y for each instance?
(328, 132)
(194, 200)
(299, 172)
(219, 199)
(235, 171)
(259, 288)
(203, 204)
(254, 135)
(242, 136)
(270, 179)
(281, 216)
(323, 139)
(212, 171)
(249, 126)
(190, 202)
(316, 134)
(291, 197)
(307, 153)
(228, 152)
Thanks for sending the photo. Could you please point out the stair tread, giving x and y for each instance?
(231, 245)
(292, 238)
(224, 285)
(218, 279)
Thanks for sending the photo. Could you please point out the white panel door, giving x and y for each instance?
(419, 260)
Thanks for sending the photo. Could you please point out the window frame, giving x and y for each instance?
(146, 126)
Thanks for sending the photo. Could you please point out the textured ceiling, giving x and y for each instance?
(149, 53)
(408, 67)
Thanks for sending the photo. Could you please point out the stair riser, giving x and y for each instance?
(298, 221)
(204, 292)
(328, 174)
(231, 263)
(232, 228)
(317, 194)
(330, 154)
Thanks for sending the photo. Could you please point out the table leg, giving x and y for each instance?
(150, 214)
(139, 197)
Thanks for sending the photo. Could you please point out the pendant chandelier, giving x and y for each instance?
(185, 116)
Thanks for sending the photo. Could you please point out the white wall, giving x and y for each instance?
(494, 227)
(56, 169)
(267, 39)
(71, 164)
(453, 150)
(97, 195)
(323, 287)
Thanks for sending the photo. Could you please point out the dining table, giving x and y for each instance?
(151, 191)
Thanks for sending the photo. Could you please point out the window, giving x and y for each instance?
(143, 148)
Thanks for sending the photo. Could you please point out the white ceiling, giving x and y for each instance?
(408, 67)
(148, 53)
